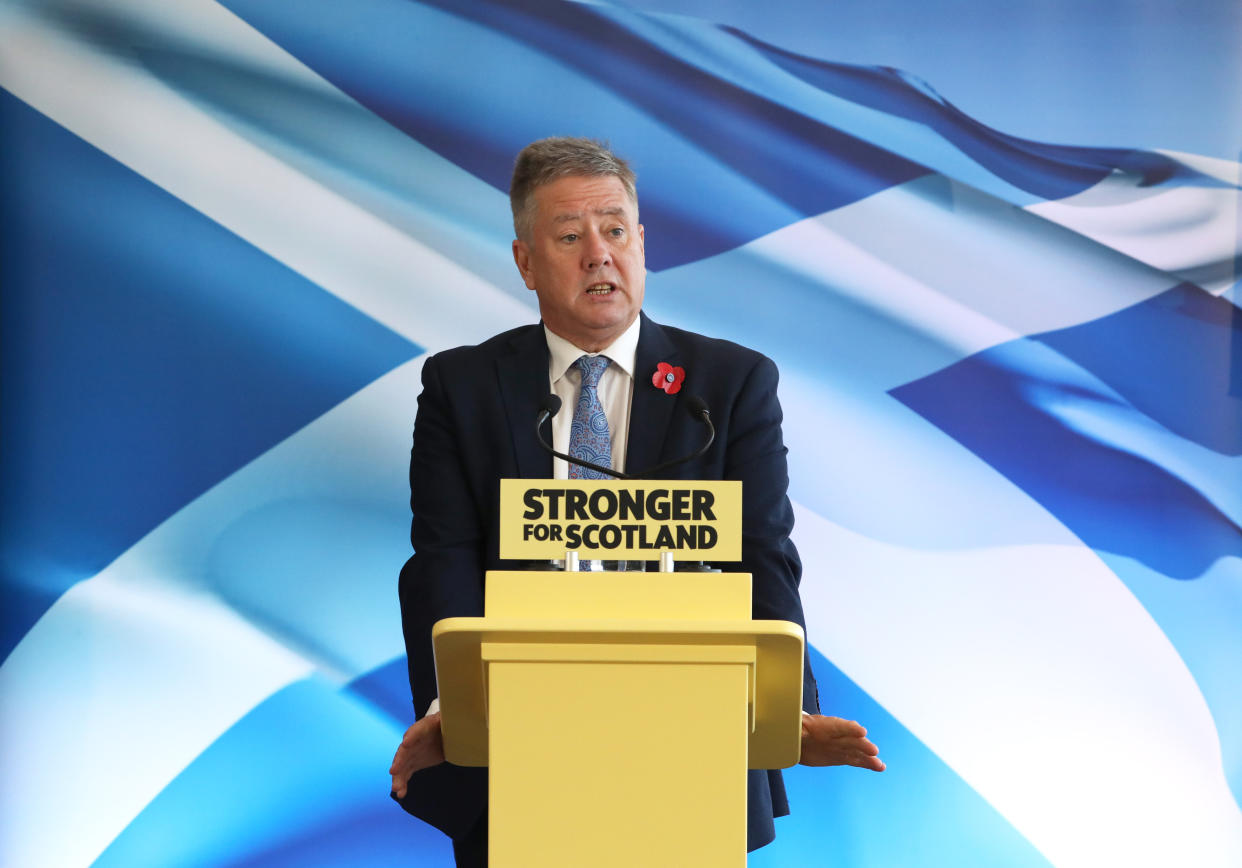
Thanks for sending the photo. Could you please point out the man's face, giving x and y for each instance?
(584, 259)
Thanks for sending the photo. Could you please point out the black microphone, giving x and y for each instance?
(548, 408)
(697, 408)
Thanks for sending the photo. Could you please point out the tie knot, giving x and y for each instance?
(592, 368)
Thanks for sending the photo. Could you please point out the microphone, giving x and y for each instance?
(697, 408)
(548, 408)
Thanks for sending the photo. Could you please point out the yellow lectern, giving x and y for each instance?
(619, 712)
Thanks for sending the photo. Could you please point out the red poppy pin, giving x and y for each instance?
(668, 377)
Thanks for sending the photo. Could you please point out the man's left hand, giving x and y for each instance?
(832, 741)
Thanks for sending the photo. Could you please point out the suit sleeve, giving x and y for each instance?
(756, 454)
(444, 578)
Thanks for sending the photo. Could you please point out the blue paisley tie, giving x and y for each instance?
(589, 438)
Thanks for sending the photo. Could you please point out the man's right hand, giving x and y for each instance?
(421, 747)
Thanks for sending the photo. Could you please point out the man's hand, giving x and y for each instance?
(832, 741)
(421, 747)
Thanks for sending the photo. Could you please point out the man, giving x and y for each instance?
(580, 249)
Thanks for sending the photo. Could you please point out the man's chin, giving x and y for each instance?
(612, 327)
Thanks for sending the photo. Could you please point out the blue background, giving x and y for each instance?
(992, 247)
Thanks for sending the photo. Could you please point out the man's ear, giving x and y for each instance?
(521, 257)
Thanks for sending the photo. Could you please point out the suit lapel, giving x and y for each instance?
(651, 410)
(523, 379)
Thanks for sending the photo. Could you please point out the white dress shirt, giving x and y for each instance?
(616, 389)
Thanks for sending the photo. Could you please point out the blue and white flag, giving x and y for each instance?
(233, 231)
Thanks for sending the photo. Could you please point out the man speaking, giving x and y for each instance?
(624, 382)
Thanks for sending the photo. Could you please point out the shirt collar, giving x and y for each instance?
(623, 351)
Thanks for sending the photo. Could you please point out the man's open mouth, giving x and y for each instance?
(600, 288)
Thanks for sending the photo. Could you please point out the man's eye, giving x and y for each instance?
(618, 232)
(570, 237)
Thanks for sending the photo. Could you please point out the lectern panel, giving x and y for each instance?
(631, 786)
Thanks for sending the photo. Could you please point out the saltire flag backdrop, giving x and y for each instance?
(1011, 356)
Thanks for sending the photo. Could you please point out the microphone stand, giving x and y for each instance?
(697, 408)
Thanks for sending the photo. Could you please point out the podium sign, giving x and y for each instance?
(541, 519)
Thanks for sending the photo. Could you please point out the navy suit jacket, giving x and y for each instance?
(475, 426)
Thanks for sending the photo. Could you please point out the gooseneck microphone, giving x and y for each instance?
(698, 410)
(548, 408)
(695, 405)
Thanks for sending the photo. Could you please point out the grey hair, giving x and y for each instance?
(547, 160)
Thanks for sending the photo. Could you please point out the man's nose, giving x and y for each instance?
(596, 254)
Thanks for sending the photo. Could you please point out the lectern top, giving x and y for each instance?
(596, 627)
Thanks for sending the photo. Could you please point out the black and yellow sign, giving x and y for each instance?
(541, 519)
